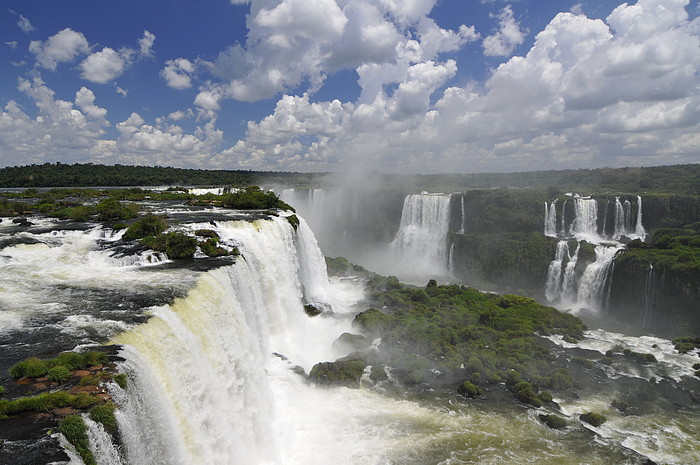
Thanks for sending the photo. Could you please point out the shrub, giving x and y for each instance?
(104, 414)
(526, 394)
(595, 419)
(470, 390)
(340, 372)
(378, 373)
(211, 249)
(31, 367)
(59, 374)
(553, 421)
(294, 221)
(148, 225)
(174, 244)
(112, 209)
(121, 379)
(74, 429)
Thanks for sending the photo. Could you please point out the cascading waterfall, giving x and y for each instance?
(585, 226)
(553, 286)
(605, 218)
(572, 288)
(627, 207)
(568, 286)
(422, 237)
(207, 356)
(461, 229)
(550, 219)
(595, 278)
(639, 230)
(620, 229)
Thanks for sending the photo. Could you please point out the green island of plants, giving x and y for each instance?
(455, 336)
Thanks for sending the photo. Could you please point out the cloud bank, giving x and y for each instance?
(588, 92)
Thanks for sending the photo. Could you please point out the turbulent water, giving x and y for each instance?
(211, 356)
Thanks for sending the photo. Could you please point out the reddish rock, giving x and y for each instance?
(43, 379)
(104, 397)
(88, 389)
(65, 411)
(24, 380)
(81, 373)
(39, 386)
(95, 368)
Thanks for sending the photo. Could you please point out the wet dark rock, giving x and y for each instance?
(348, 342)
(22, 222)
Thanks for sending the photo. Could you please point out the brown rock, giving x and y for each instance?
(95, 368)
(43, 379)
(24, 380)
(65, 411)
(104, 397)
(81, 373)
(88, 389)
(39, 386)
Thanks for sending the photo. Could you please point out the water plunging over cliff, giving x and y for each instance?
(422, 237)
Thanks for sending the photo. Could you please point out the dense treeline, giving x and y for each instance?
(82, 175)
(680, 179)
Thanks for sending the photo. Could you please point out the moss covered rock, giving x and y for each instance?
(340, 372)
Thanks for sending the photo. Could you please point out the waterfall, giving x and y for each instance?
(562, 228)
(639, 228)
(603, 231)
(422, 237)
(595, 278)
(550, 219)
(553, 286)
(586, 223)
(199, 370)
(461, 229)
(568, 287)
(620, 229)
(649, 297)
(627, 206)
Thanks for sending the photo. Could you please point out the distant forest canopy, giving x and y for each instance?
(676, 179)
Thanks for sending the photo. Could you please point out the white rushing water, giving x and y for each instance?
(421, 241)
(550, 219)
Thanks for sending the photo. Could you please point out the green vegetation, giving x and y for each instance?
(58, 373)
(683, 179)
(553, 421)
(458, 330)
(294, 221)
(674, 249)
(594, 419)
(148, 225)
(340, 372)
(253, 198)
(74, 429)
(63, 175)
(685, 344)
(175, 244)
(45, 402)
(470, 390)
(122, 380)
(104, 414)
(34, 367)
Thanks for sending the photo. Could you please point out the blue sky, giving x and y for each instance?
(325, 85)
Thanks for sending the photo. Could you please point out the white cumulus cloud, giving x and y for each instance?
(104, 66)
(63, 47)
(508, 36)
(178, 73)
